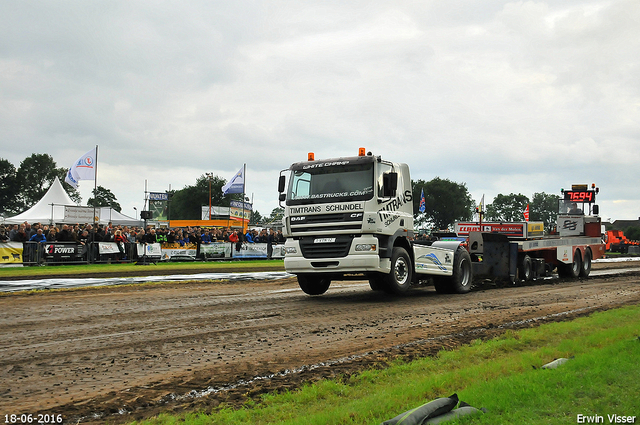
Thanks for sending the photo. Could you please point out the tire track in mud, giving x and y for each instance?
(141, 350)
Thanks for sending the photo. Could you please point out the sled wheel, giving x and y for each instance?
(571, 270)
(525, 270)
(586, 264)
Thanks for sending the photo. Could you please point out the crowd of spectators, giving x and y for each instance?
(86, 233)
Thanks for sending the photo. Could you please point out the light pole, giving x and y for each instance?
(209, 175)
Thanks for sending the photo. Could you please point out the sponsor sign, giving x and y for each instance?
(258, 250)
(59, 250)
(150, 250)
(170, 250)
(81, 214)
(216, 250)
(158, 196)
(11, 253)
(516, 230)
(106, 248)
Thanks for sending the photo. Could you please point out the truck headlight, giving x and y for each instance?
(366, 247)
(290, 250)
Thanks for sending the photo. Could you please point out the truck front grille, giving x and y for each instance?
(312, 248)
(345, 222)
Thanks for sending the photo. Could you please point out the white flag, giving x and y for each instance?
(236, 184)
(83, 169)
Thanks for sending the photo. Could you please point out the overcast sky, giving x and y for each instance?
(506, 97)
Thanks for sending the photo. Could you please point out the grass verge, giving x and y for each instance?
(47, 271)
(603, 379)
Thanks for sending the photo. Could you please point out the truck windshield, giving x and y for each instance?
(352, 182)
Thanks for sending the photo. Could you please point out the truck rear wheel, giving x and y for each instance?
(399, 278)
(461, 280)
(571, 270)
(312, 284)
(586, 264)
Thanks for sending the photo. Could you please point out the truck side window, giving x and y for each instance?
(382, 170)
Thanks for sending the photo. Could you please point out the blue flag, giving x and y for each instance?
(422, 202)
(236, 184)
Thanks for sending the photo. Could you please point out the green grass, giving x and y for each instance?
(603, 378)
(36, 271)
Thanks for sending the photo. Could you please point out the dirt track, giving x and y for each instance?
(123, 353)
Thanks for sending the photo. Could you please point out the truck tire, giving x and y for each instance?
(571, 270)
(376, 282)
(313, 284)
(586, 264)
(462, 278)
(399, 278)
(525, 271)
(442, 284)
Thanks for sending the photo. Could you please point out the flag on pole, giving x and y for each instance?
(526, 213)
(481, 206)
(422, 202)
(83, 169)
(236, 184)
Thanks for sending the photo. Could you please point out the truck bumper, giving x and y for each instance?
(354, 262)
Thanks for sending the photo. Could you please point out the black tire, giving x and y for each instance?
(525, 269)
(313, 284)
(462, 278)
(571, 270)
(586, 264)
(376, 282)
(398, 281)
(442, 284)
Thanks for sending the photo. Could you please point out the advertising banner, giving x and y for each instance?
(216, 250)
(172, 250)
(159, 205)
(258, 250)
(59, 251)
(10, 253)
(216, 212)
(150, 250)
(106, 248)
(81, 214)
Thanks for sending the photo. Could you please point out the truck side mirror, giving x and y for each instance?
(389, 184)
(596, 210)
(281, 184)
(282, 197)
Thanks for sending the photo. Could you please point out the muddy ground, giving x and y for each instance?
(117, 354)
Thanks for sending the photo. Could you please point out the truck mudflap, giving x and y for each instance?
(493, 256)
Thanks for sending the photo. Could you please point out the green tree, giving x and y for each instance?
(103, 197)
(544, 207)
(8, 188)
(507, 208)
(35, 175)
(276, 214)
(187, 203)
(445, 202)
(256, 218)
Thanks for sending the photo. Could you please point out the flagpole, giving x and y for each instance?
(95, 187)
(244, 182)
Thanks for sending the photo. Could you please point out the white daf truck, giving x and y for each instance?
(352, 218)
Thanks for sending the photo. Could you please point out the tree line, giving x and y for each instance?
(446, 201)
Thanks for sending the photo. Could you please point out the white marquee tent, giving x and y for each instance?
(51, 209)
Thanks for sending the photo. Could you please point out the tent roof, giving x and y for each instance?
(43, 209)
(50, 209)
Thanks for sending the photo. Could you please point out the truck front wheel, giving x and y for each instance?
(398, 280)
(313, 284)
